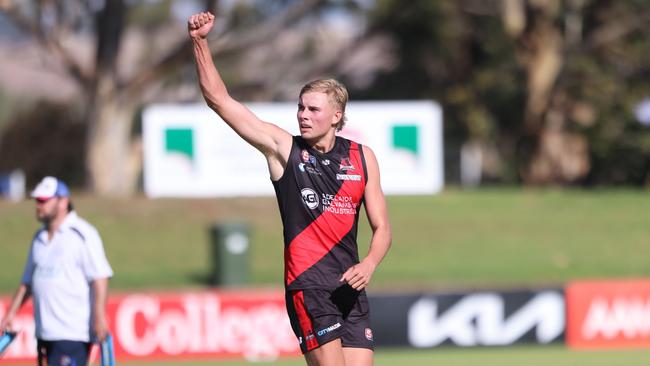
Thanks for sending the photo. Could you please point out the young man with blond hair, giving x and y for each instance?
(320, 182)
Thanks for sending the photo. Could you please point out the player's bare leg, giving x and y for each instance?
(357, 356)
(329, 354)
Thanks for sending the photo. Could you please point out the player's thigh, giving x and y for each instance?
(314, 318)
(328, 354)
(358, 356)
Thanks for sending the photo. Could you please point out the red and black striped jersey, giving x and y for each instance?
(320, 197)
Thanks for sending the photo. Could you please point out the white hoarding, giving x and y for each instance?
(190, 152)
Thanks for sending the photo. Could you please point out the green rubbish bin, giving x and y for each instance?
(230, 247)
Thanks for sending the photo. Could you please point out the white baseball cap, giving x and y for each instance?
(50, 187)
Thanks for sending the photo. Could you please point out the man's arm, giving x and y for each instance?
(358, 276)
(272, 141)
(23, 293)
(100, 289)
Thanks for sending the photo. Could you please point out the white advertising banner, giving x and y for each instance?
(190, 152)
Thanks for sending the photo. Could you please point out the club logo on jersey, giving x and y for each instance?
(305, 156)
(309, 197)
(309, 169)
(346, 164)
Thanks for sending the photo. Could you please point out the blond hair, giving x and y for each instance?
(337, 93)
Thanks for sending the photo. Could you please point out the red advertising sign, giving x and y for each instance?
(608, 314)
(193, 325)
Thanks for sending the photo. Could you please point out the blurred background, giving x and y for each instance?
(551, 93)
(546, 130)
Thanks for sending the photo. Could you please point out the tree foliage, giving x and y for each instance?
(117, 81)
(38, 142)
(546, 88)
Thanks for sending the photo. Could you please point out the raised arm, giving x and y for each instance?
(359, 276)
(272, 141)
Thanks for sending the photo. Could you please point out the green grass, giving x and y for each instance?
(459, 239)
(482, 238)
(511, 356)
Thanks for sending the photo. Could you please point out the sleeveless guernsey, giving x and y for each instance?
(320, 196)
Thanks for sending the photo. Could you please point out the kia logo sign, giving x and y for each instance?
(480, 320)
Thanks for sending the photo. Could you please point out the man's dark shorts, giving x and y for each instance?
(319, 316)
(63, 353)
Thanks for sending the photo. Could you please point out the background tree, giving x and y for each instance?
(546, 89)
(142, 55)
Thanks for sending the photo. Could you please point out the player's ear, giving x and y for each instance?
(337, 117)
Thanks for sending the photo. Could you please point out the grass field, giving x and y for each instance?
(499, 356)
(482, 238)
(511, 356)
(455, 240)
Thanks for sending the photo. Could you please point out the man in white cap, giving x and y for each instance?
(67, 275)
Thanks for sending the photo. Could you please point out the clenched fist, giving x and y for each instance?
(199, 25)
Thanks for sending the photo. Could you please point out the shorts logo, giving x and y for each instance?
(66, 361)
(322, 332)
(310, 336)
(309, 197)
(368, 334)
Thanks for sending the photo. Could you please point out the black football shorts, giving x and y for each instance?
(319, 316)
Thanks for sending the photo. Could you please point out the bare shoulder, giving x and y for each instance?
(369, 154)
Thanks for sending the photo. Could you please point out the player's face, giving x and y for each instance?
(48, 209)
(316, 115)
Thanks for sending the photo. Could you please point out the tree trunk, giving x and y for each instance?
(560, 158)
(113, 157)
(555, 155)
